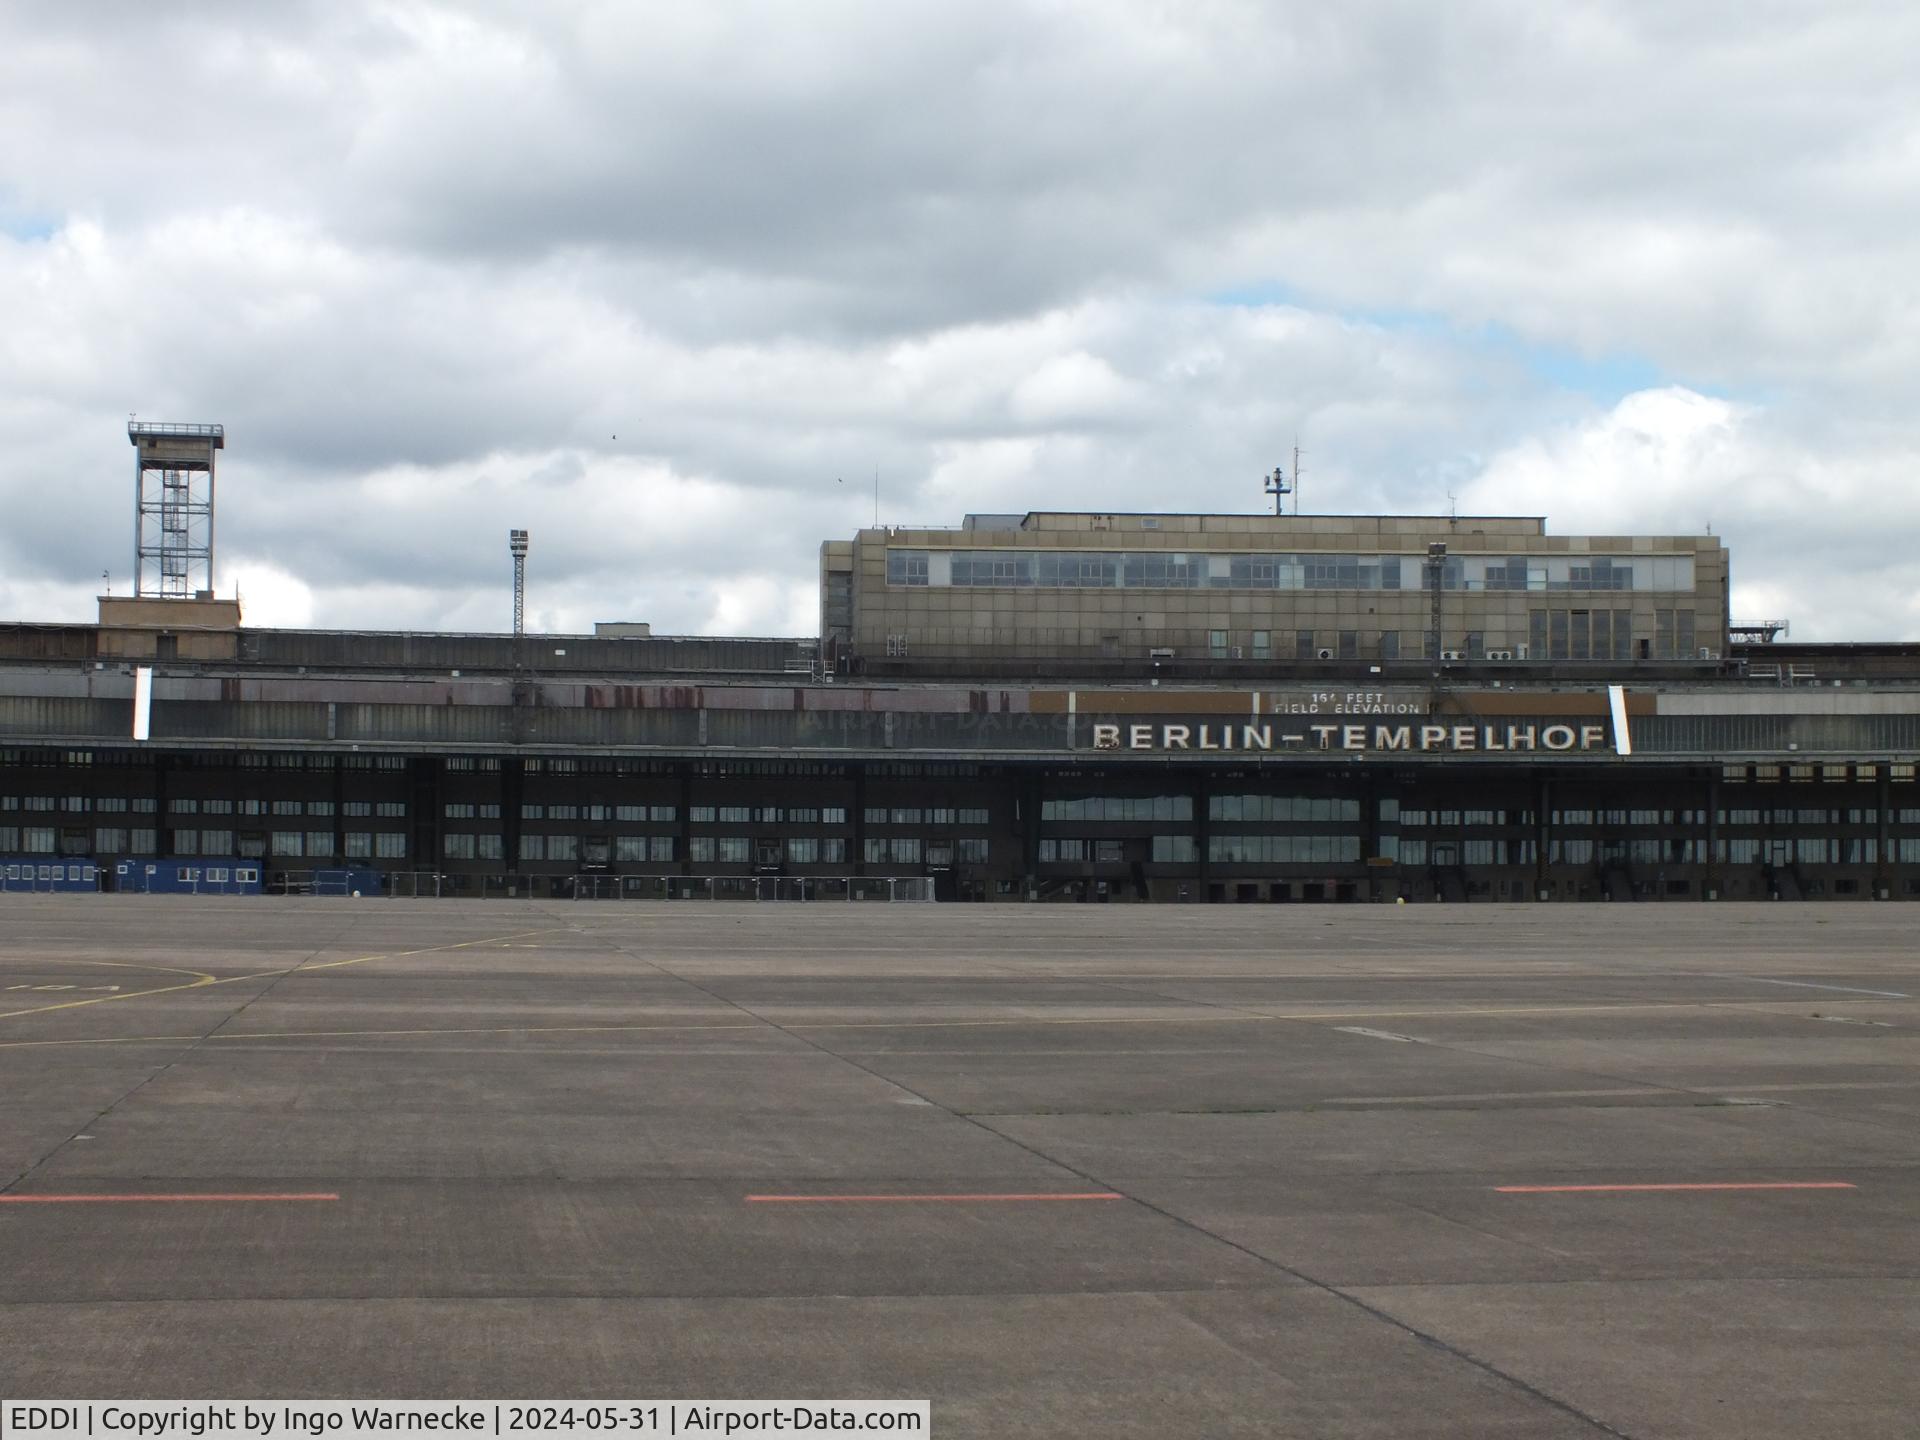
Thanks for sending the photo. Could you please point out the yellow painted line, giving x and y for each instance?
(431, 949)
(102, 1040)
(206, 980)
(367, 1034)
(127, 965)
(768, 1024)
(200, 984)
(1252, 1017)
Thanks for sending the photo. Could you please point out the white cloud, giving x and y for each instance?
(270, 597)
(1818, 542)
(648, 281)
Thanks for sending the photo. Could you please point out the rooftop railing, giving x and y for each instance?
(166, 429)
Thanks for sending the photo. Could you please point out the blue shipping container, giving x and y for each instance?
(37, 872)
(187, 877)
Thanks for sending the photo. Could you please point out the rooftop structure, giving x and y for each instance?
(1064, 588)
(173, 507)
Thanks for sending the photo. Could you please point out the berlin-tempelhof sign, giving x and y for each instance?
(1259, 736)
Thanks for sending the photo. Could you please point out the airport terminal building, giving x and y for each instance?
(1048, 707)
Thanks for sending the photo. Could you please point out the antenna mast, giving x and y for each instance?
(1296, 474)
(1278, 487)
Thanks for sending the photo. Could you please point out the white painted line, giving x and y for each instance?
(1374, 1034)
(1809, 985)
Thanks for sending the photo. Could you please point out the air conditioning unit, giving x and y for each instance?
(1236, 652)
(1519, 652)
(1324, 653)
(1499, 654)
(1453, 654)
(1162, 653)
(1708, 653)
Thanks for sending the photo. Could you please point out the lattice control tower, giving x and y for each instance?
(173, 497)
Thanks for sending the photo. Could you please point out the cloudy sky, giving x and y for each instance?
(666, 284)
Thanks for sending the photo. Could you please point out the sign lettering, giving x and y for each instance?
(1429, 738)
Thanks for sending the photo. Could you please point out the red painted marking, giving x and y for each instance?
(1724, 1185)
(149, 1199)
(916, 1199)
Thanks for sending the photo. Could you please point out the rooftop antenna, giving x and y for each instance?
(1278, 487)
(1296, 474)
(1451, 515)
(876, 497)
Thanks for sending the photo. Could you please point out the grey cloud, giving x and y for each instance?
(427, 262)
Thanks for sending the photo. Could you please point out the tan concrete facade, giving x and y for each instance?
(1249, 587)
(150, 627)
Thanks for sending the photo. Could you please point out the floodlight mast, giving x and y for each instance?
(517, 544)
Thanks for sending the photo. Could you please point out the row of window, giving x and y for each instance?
(1119, 807)
(1447, 819)
(1461, 852)
(318, 844)
(627, 814)
(242, 760)
(191, 805)
(45, 840)
(49, 872)
(724, 849)
(1896, 770)
(1171, 570)
(933, 815)
(1221, 849)
(731, 814)
(118, 840)
(1305, 808)
(1310, 809)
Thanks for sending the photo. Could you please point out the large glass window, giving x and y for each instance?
(906, 567)
(1308, 809)
(1309, 570)
(1283, 849)
(1114, 807)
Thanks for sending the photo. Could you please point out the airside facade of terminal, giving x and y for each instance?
(1116, 708)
